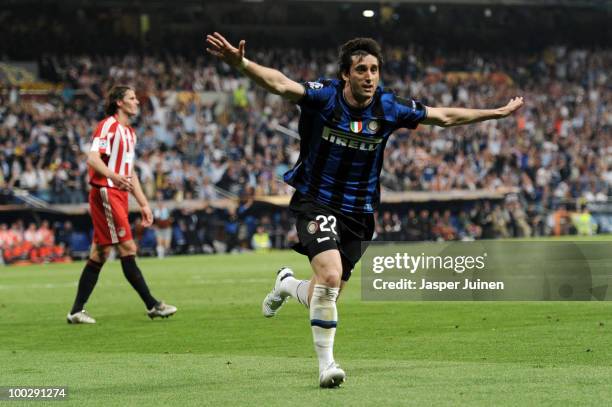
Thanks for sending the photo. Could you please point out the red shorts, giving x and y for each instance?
(109, 213)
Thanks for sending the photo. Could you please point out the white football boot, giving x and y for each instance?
(274, 300)
(81, 317)
(332, 376)
(162, 310)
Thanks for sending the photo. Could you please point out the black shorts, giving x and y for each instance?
(321, 228)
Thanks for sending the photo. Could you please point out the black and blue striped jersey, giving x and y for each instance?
(341, 148)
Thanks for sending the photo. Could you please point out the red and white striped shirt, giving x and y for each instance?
(116, 144)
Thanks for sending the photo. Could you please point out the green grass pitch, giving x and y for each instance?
(219, 350)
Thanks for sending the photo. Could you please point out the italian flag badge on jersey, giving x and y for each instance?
(356, 127)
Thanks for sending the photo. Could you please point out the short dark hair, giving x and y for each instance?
(116, 93)
(357, 47)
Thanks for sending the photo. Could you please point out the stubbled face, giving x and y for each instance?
(363, 77)
(129, 104)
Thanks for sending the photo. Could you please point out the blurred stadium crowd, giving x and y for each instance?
(34, 244)
(556, 150)
(214, 230)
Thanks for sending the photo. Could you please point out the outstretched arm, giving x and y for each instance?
(454, 116)
(270, 79)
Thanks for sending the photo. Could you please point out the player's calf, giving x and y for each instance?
(134, 276)
(298, 289)
(327, 267)
(323, 321)
(87, 283)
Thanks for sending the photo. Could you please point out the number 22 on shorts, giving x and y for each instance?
(324, 221)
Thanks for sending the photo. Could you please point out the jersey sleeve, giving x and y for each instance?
(409, 112)
(101, 142)
(317, 94)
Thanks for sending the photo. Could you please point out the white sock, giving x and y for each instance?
(323, 321)
(297, 289)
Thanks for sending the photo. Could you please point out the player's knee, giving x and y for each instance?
(98, 258)
(329, 276)
(100, 254)
(127, 248)
(332, 280)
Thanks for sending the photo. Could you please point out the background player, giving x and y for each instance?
(163, 226)
(344, 126)
(111, 163)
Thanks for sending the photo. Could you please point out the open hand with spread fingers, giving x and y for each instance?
(218, 46)
(512, 106)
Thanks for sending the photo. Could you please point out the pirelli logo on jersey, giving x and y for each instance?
(351, 140)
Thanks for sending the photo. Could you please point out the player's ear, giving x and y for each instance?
(345, 76)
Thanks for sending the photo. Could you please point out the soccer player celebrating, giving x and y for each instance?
(344, 126)
(111, 163)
